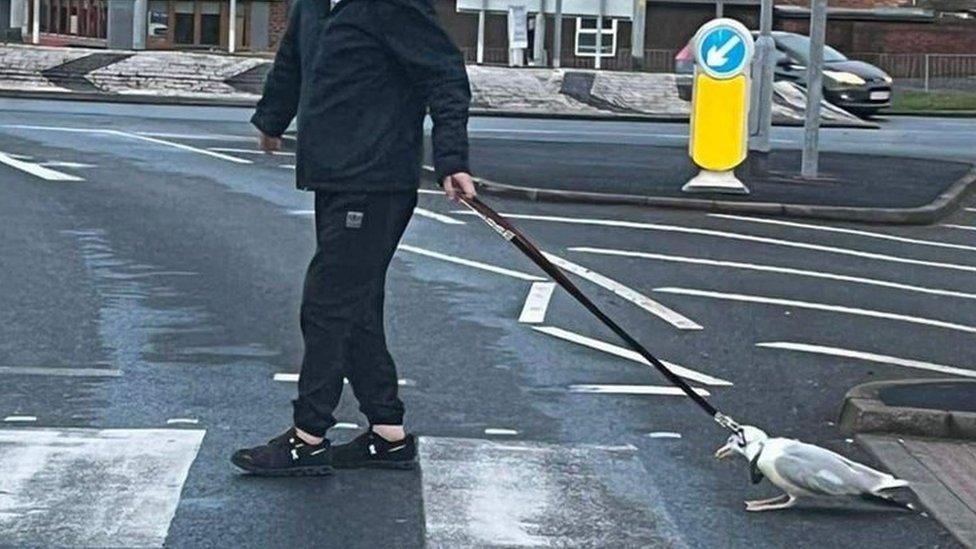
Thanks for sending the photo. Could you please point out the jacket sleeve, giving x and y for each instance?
(282, 87)
(431, 61)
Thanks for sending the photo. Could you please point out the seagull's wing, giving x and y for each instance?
(822, 472)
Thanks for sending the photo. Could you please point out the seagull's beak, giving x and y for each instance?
(723, 452)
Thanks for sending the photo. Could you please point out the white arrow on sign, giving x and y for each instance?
(716, 56)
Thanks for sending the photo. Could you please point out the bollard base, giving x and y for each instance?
(708, 181)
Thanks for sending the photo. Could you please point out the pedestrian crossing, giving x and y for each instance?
(122, 487)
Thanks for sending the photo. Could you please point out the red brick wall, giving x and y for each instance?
(278, 21)
(890, 37)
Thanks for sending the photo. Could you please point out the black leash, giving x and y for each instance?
(508, 231)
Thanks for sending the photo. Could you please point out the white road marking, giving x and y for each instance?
(628, 354)
(664, 313)
(774, 269)
(819, 307)
(587, 133)
(37, 170)
(870, 357)
(287, 166)
(182, 421)
(664, 434)
(66, 164)
(497, 431)
(651, 390)
(67, 372)
(301, 212)
(734, 236)
(970, 209)
(293, 378)
(470, 263)
(250, 151)
(20, 419)
(92, 487)
(345, 425)
(201, 136)
(430, 191)
(537, 302)
(827, 228)
(446, 219)
(511, 493)
(962, 227)
(181, 146)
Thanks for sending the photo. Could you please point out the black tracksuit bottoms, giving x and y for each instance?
(342, 308)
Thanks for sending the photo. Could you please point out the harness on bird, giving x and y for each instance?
(510, 233)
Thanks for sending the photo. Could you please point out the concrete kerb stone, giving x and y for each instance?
(864, 412)
(941, 206)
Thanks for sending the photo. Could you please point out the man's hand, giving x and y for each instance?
(459, 184)
(269, 144)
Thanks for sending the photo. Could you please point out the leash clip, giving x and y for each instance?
(727, 422)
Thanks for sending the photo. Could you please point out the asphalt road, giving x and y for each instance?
(151, 275)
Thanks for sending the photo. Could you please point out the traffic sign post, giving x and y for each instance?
(720, 105)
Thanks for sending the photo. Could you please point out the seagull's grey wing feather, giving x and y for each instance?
(822, 472)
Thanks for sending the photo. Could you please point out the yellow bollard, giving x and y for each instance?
(719, 134)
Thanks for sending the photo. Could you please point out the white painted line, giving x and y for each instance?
(628, 354)
(961, 227)
(496, 431)
(774, 269)
(182, 421)
(663, 434)
(201, 136)
(971, 210)
(345, 425)
(293, 378)
(302, 212)
(20, 419)
(36, 169)
(870, 357)
(537, 302)
(287, 166)
(430, 191)
(446, 219)
(651, 390)
(250, 151)
(66, 164)
(819, 307)
(55, 128)
(828, 228)
(66, 372)
(180, 146)
(664, 313)
(734, 236)
(92, 487)
(469, 263)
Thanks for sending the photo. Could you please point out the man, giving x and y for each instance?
(360, 74)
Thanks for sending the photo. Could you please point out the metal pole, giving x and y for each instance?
(36, 23)
(765, 65)
(719, 9)
(926, 72)
(811, 127)
(481, 36)
(232, 28)
(557, 35)
(599, 35)
(637, 29)
(539, 39)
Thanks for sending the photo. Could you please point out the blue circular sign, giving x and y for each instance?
(723, 48)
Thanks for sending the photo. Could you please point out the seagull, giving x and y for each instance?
(803, 470)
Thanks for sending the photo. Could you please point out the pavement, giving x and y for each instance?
(152, 267)
(188, 78)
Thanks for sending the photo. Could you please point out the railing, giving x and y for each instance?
(926, 70)
(654, 60)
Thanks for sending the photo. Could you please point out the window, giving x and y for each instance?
(210, 23)
(158, 19)
(586, 37)
(183, 23)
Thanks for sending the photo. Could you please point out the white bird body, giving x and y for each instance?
(804, 470)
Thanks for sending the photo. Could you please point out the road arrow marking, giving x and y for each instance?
(717, 55)
(36, 169)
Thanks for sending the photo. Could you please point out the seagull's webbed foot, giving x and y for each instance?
(783, 501)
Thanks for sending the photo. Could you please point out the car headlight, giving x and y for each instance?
(887, 79)
(845, 78)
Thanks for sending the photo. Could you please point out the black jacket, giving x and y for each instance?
(361, 77)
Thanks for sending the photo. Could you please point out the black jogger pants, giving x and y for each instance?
(342, 308)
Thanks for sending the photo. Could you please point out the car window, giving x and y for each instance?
(798, 47)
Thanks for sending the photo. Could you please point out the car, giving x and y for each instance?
(856, 86)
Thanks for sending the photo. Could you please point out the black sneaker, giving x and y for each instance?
(286, 455)
(370, 450)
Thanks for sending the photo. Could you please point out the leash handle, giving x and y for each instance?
(508, 231)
